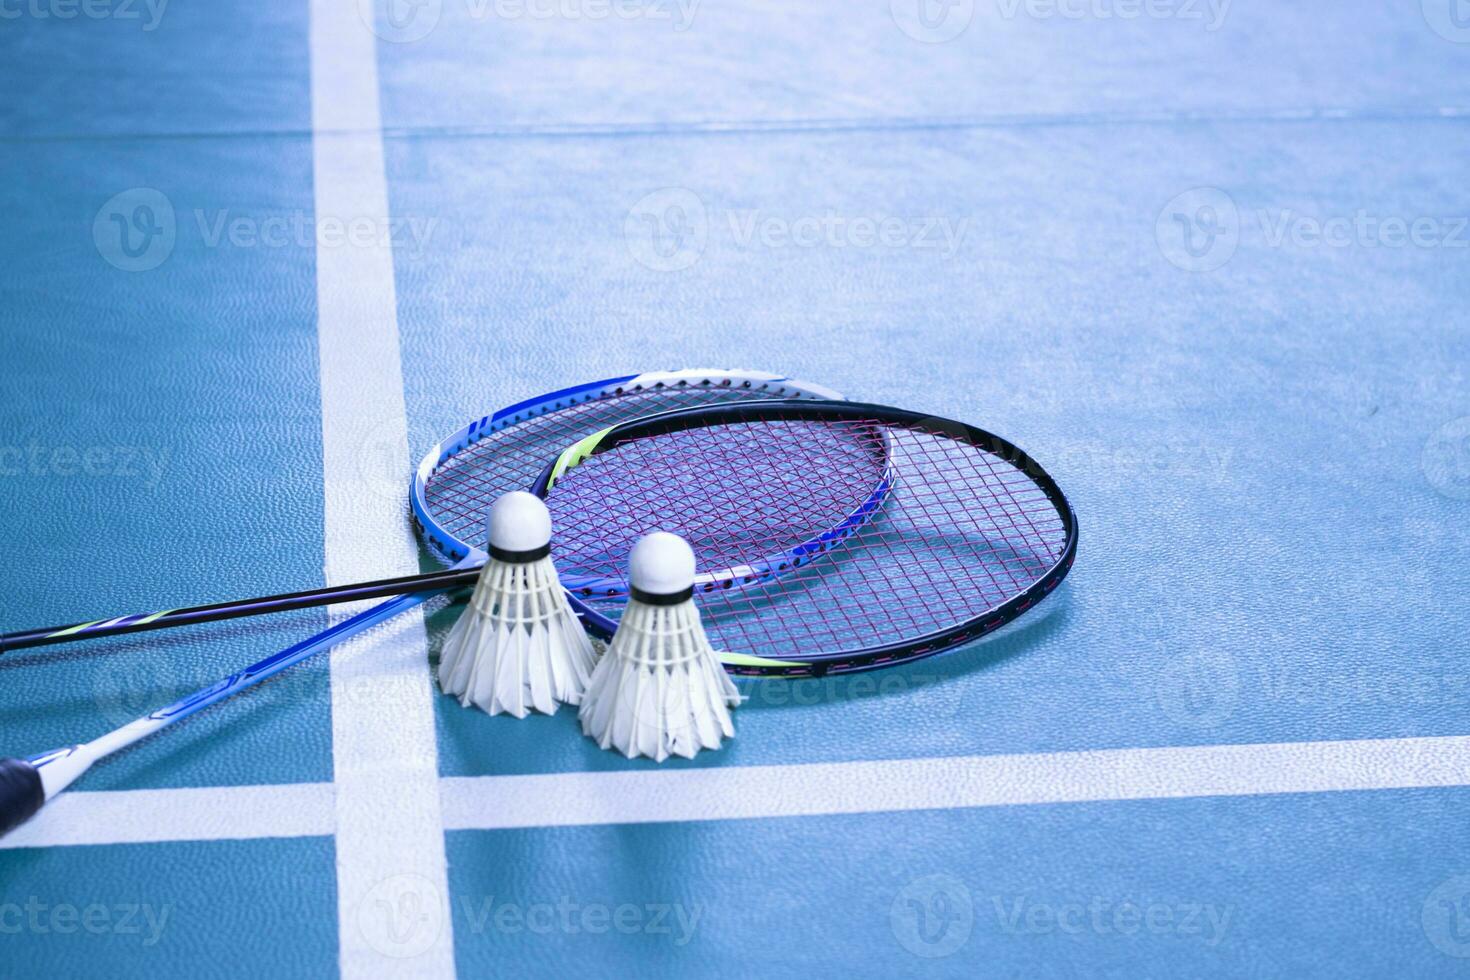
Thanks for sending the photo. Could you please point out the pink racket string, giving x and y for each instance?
(962, 531)
(461, 491)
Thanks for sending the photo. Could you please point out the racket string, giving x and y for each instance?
(751, 472)
(961, 531)
(461, 491)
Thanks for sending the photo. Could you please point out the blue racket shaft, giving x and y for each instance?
(488, 451)
(26, 784)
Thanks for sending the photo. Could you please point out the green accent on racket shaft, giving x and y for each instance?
(158, 615)
(575, 455)
(79, 628)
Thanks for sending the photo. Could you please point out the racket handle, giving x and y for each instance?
(21, 793)
(51, 635)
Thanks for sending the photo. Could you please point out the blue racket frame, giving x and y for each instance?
(449, 549)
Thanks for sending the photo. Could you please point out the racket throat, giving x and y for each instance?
(60, 768)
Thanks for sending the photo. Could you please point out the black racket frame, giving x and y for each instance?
(870, 658)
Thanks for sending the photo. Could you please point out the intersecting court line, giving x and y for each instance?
(762, 792)
(385, 758)
(816, 789)
(154, 816)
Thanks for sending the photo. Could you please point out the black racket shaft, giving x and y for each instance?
(143, 622)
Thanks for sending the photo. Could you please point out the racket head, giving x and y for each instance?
(459, 478)
(971, 533)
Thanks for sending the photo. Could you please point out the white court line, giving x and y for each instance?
(390, 844)
(756, 792)
(750, 792)
(148, 816)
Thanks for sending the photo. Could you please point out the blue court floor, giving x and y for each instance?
(1207, 260)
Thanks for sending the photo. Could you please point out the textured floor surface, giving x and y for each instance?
(1208, 261)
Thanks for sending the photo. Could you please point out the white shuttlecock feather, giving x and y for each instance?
(660, 690)
(518, 647)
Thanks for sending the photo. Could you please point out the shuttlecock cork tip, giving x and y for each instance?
(662, 564)
(519, 524)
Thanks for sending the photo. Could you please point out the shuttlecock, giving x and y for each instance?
(518, 646)
(659, 690)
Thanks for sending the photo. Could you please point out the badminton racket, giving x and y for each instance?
(972, 533)
(445, 498)
(450, 493)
